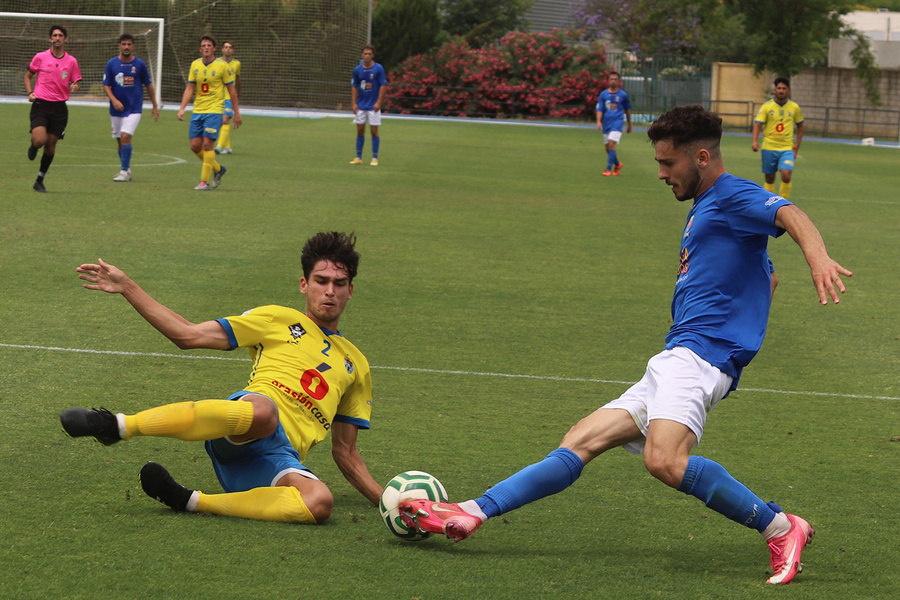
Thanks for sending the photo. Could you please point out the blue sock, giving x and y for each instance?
(125, 154)
(613, 160)
(709, 481)
(555, 473)
(360, 143)
(376, 142)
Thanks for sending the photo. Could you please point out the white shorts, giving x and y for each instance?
(612, 136)
(372, 117)
(677, 386)
(127, 124)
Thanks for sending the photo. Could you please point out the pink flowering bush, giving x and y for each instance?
(527, 75)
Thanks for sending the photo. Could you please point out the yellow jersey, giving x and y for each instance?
(315, 376)
(210, 80)
(778, 121)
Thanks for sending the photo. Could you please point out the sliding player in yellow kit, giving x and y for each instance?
(307, 380)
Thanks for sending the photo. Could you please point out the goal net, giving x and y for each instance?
(294, 53)
(93, 40)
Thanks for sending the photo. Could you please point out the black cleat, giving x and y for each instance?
(39, 187)
(98, 422)
(32, 151)
(158, 484)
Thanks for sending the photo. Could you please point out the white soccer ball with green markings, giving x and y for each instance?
(408, 485)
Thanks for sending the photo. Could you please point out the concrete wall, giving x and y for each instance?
(833, 100)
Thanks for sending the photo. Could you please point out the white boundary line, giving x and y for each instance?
(436, 371)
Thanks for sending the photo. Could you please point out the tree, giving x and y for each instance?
(404, 28)
(646, 27)
(481, 22)
(788, 35)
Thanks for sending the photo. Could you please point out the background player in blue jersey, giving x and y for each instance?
(613, 108)
(719, 311)
(368, 87)
(124, 80)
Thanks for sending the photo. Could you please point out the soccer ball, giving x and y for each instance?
(411, 484)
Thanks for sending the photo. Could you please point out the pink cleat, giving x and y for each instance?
(786, 550)
(439, 517)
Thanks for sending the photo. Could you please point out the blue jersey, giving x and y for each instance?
(613, 106)
(127, 81)
(723, 288)
(369, 81)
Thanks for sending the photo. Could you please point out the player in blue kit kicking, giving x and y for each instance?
(124, 80)
(719, 311)
(613, 109)
(369, 85)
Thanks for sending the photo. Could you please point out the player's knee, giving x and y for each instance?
(667, 468)
(320, 502)
(265, 416)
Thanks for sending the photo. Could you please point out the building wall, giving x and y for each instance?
(833, 100)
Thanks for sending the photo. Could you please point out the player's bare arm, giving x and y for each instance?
(799, 139)
(825, 271)
(152, 93)
(232, 93)
(350, 462)
(185, 99)
(117, 104)
(755, 136)
(183, 333)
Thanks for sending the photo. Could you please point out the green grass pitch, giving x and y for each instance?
(475, 238)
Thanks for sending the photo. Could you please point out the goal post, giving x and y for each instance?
(92, 39)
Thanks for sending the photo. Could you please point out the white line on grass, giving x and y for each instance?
(436, 371)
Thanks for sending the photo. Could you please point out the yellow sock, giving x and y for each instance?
(192, 421)
(210, 165)
(769, 186)
(284, 504)
(785, 190)
(225, 135)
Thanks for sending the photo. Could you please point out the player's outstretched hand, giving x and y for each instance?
(103, 276)
(826, 277)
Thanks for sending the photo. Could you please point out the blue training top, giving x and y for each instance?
(723, 289)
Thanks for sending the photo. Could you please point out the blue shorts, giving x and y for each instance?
(206, 125)
(229, 109)
(777, 160)
(242, 467)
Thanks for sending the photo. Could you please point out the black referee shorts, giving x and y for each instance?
(52, 115)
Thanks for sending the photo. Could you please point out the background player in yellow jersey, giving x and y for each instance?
(212, 79)
(780, 117)
(224, 145)
(307, 380)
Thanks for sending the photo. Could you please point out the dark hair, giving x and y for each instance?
(613, 72)
(210, 38)
(332, 246)
(369, 47)
(61, 28)
(687, 126)
(228, 42)
(783, 80)
(126, 36)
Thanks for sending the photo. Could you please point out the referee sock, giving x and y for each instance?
(46, 159)
(785, 190)
(284, 504)
(192, 421)
(709, 481)
(555, 473)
